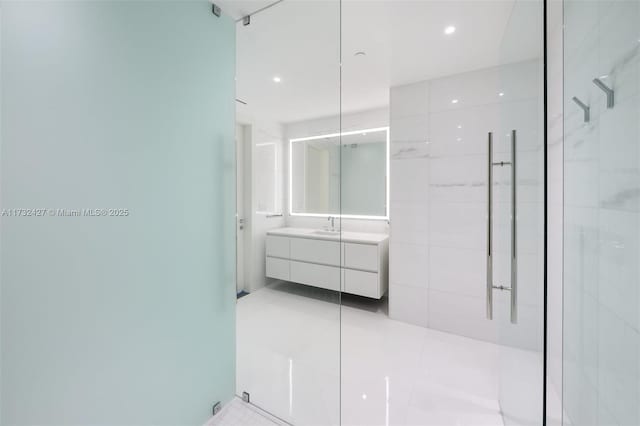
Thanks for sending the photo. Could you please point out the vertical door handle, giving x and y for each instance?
(514, 233)
(489, 226)
(513, 288)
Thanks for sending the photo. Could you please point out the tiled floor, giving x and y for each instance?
(239, 413)
(391, 373)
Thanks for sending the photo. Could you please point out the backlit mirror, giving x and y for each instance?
(336, 173)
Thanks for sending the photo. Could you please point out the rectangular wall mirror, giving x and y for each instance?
(346, 172)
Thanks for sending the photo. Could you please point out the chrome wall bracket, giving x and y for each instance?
(216, 408)
(585, 109)
(216, 10)
(607, 90)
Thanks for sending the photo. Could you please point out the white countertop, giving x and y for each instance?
(318, 234)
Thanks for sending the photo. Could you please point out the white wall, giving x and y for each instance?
(438, 207)
(356, 121)
(257, 224)
(243, 238)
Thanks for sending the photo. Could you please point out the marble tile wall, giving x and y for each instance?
(438, 201)
(408, 244)
(601, 368)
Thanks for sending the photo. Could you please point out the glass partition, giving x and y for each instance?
(518, 252)
(117, 177)
(458, 338)
(288, 314)
(601, 371)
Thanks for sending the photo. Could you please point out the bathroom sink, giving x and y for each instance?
(330, 233)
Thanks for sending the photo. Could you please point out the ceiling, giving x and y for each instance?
(404, 41)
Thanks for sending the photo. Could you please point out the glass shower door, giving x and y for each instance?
(288, 325)
(117, 177)
(518, 220)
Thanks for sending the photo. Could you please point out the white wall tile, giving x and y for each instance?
(410, 180)
(448, 221)
(618, 353)
(458, 179)
(469, 89)
(462, 131)
(460, 314)
(408, 224)
(618, 267)
(409, 304)
(410, 100)
(409, 129)
(466, 278)
(409, 264)
(461, 225)
(601, 298)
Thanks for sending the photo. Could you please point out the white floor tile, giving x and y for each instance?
(309, 361)
(239, 413)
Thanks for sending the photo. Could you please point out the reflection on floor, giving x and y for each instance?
(239, 413)
(288, 359)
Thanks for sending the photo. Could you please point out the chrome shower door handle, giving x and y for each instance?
(489, 226)
(514, 235)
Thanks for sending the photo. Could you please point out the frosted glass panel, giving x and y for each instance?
(118, 301)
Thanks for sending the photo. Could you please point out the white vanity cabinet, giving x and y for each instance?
(352, 262)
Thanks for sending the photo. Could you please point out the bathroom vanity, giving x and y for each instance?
(351, 262)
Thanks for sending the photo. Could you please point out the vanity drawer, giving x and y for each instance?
(278, 246)
(361, 256)
(362, 283)
(278, 268)
(316, 251)
(315, 275)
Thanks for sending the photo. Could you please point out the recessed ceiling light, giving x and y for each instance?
(501, 94)
(450, 30)
(459, 126)
(454, 101)
(364, 396)
(360, 53)
(459, 139)
(277, 79)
